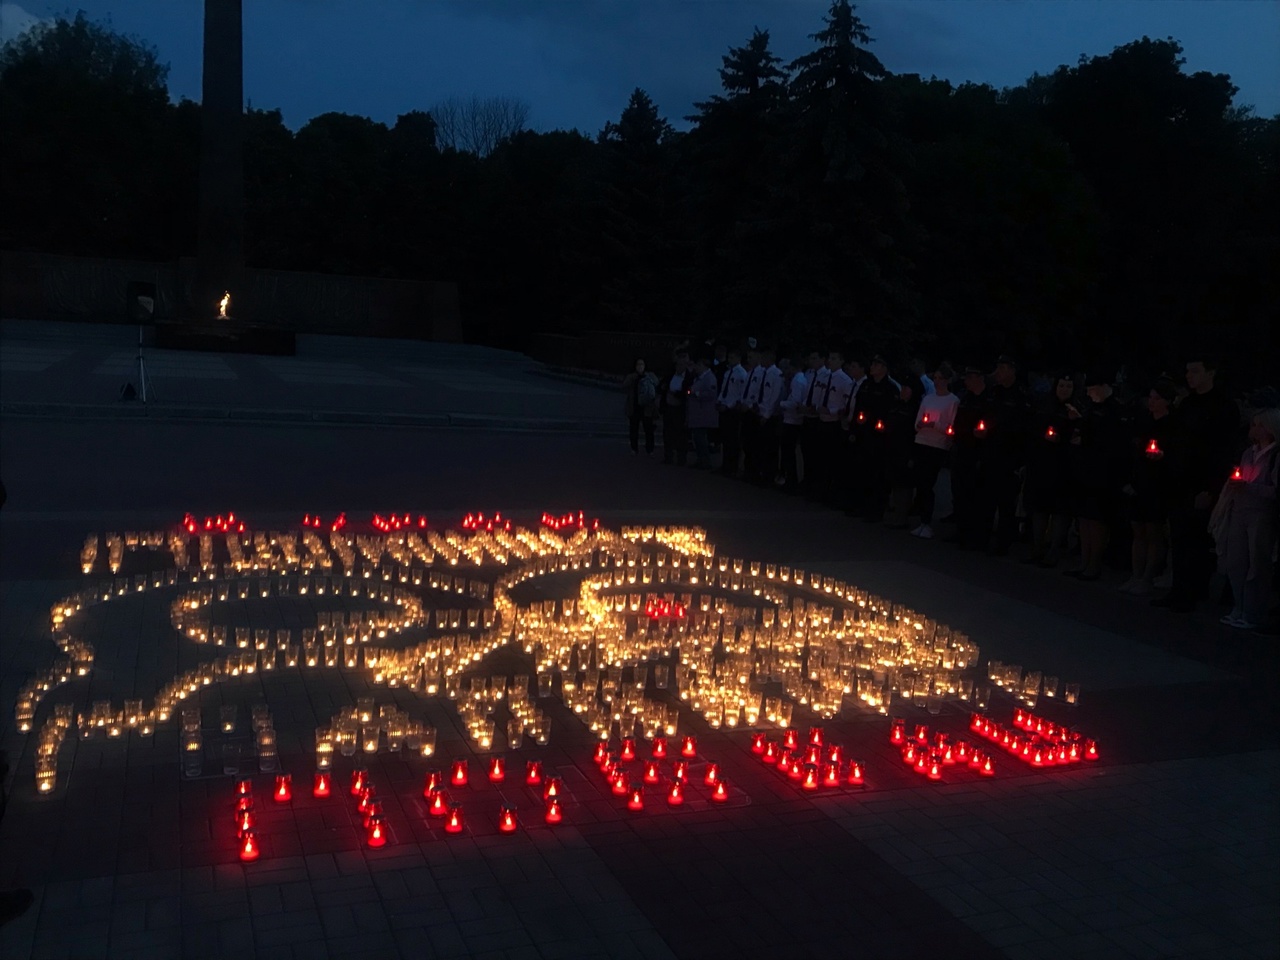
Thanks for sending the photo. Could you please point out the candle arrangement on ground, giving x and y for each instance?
(812, 761)
(1036, 741)
(646, 623)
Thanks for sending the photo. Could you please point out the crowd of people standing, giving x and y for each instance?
(1169, 480)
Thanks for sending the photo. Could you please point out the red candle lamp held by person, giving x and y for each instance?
(249, 850)
(924, 419)
(981, 429)
(453, 821)
(659, 748)
(950, 431)
(321, 786)
(1236, 474)
(284, 788)
(533, 773)
(497, 770)
(1050, 433)
(459, 775)
(689, 746)
(507, 822)
(1153, 448)
(554, 814)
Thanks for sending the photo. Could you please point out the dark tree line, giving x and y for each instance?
(1111, 210)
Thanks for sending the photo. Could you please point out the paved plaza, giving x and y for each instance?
(1165, 847)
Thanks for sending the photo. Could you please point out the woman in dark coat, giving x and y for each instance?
(1148, 491)
(1047, 494)
(1099, 456)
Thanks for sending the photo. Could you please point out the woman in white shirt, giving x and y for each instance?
(933, 440)
(1250, 534)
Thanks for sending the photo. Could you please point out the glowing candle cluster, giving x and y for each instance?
(627, 774)
(1036, 741)
(812, 761)
(931, 756)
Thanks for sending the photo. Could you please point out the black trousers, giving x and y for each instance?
(789, 438)
(834, 443)
(999, 498)
(730, 441)
(750, 439)
(1193, 547)
(636, 421)
(929, 462)
(675, 437)
(970, 496)
(767, 440)
(811, 452)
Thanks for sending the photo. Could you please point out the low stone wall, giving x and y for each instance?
(41, 286)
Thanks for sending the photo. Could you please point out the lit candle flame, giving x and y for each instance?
(223, 304)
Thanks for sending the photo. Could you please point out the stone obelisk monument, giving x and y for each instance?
(220, 251)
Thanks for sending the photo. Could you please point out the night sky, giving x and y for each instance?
(576, 61)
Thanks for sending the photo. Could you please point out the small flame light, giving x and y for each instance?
(897, 733)
(689, 746)
(619, 784)
(458, 776)
(680, 770)
(321, 786)
(438, 803)
(554, 813)
(284, 788)
(935, 769)
(507, 820)
(628, 750)
(721, 792)
(758, 740)
(652, 772)
(635, 797)
(712, 774)
(855, 773)
(533, 773)
(249, 850)
(1091, 750)
(675, 793)
(831, 775)
(601, 756)
(988, 768)
(659, 748)
(791, 740)
(376, 835)
(368, 797)
(922, 733)
(244, 788)
(771, 752)
(434, 781)
(497, 770)
(810, 780)
(453, 821)
(553, 787)
(815, 736)
(359, 777)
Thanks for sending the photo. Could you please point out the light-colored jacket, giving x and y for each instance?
(702, 402)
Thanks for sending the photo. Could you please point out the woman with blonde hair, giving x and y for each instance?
(1244, 523)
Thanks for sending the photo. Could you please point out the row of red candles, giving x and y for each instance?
(677, 787)
(1041, 742)
(816, 764)
(930, 758)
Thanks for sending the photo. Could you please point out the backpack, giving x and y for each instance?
(646, 392)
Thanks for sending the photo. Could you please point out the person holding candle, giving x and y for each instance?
(870, 411)
(1148, 488)
(1047, 492)
(641, 406)
(1099, 448)
(1244, 523)
(1205, 422)
(933, 428)
(968, 460)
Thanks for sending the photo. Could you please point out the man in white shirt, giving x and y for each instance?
(732, 386)
(747, 409)
(792, 406)
(766, 460)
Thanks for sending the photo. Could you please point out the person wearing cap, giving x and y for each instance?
(732, 386)
(817, 381)
(968, 459)
(1147, 492)
(1098, 458)
(1047, 493)
(1005, 453)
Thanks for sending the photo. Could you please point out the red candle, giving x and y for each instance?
(935, 770)
(879, 426)
(374, 810)
(497, 770)
(1019, 717)
(1153, 448)
(962, 751)
(1091, 750)
(533, 773)
(835, 753)
(244, 788)
(712, 775)
(1236, 474)
(795, 770)
(243, 804)
(376, 831)
(1050, 433)
(976, 758)
(320, 788)
(948, 755)
(922, 762)
(506, 820)
(950, 431)
(897, 732)
(813, 754)
(619, 784)
(988, 768)
(284, 788)
(770, 754)
(922, 733)
(628, 749)
(680, 770)
(659, 748)
(758, 740)
(855, 773)
(981, 428)
(791, 739)
(453, 822)
(689, 747)
(552, 787)
(553, 814)
(675, 793)
(458, 777)
(439, 803)
(601, 755)
(1037, 757)
(358, 777)
(831, 775)
(721, 792)
(244, 821)
(635, 799)
(810, 777)
(651, 771)
(924, 419)
(432, 781)
(815, 735)
(909, 753)
(366, 797)
(249, 846)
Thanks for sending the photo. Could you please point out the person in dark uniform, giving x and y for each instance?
(817, 382)
(1005, 453)
(673, 399)
(831, 416)
(1099, 457)
(1048, 487)
(1207, 426)
(732, 386)
(1147, 493)
(875, 401)
(900, 449)
(968, 456)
